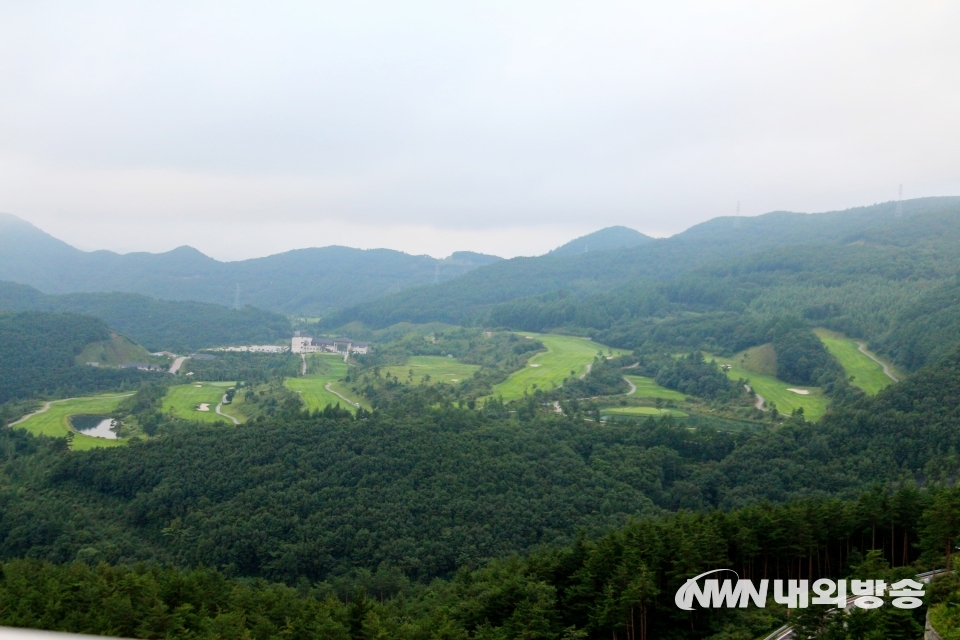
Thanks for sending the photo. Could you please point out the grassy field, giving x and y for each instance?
(56, 420)
(323, 370)
(641, 411)
(867, 374)
(184, 400)
(762, 360)
(548, 369)
(647, 388)
(439, 369)
(112, 352)
(774, 390)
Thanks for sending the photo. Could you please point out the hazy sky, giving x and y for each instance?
(245, 129)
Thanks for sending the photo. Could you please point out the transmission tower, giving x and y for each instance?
(236, 297)
(899, 203)
(736, 221)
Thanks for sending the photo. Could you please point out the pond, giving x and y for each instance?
(96, 426)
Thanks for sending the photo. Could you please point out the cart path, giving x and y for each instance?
(886, 369)
(633, 387)
(177, 364)
(760, 400)
(225, 415)
(352, 404)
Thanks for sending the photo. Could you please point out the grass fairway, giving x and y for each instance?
(775, 390)
(564, 354)
(867, 374)
(55, 421)
(647, 388)
(641, 411)
(323, 370)
(183, 400)
(439, 369)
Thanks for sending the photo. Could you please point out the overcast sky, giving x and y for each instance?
(245, 129)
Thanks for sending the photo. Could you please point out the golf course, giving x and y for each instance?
(546, 370)
(324, 370)
(641, 411)
(55, 421)
(198, 401)
(440, 369)
(777, 391)
(647, 388)
(867, 373)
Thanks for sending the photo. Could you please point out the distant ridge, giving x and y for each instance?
(303, 282)
(602, 240)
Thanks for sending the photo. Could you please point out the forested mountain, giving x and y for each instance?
(37, 352)
(157, 324)
(304, 281)
(716, 242)
(603, 240)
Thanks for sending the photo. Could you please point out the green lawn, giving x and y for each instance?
(323, 370)
(184, 401)
(439, 368)
(56, 420)
(867, 374)
(775, 390)
(548, 369)
(647, 388)
(642, 411)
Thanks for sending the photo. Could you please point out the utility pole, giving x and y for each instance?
(236, 297)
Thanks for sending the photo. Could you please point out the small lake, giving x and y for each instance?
(96, 426)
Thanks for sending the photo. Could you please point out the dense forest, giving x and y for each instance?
(37, 352)
(158, 325)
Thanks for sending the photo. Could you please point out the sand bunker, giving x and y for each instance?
(534, 365)
(802, 392)
(204, 407)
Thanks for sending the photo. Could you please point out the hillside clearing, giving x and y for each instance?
(564, 354)
(55, 421)
(112, 352)
(867, 374)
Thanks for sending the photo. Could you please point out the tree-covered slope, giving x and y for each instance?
(304, 281)
(37, 352)
(603, 240)
(717, 242)
(157, 324)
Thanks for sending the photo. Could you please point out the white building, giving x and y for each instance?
(308, 344)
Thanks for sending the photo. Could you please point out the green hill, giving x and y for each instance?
(307, 282)
(157, 324)
(603, 240)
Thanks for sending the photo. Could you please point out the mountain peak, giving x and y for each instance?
(602, 240)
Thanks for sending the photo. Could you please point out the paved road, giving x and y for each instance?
(352, 404)
(177, 364)
(303, 365)
(863, 349)
(633, 387)
(760, 400)
(221, 413)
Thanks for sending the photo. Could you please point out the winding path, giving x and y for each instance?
(886, 369)
(589, 366)
(760, 400)
(633, 387)
(339, 395)
(225, 415)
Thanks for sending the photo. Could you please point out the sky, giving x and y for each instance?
(246, 129)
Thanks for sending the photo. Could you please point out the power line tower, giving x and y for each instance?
(736, 221)
(899, 212)
(236, 297)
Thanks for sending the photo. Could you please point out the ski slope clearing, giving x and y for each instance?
(867, 371)
(564, 354)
